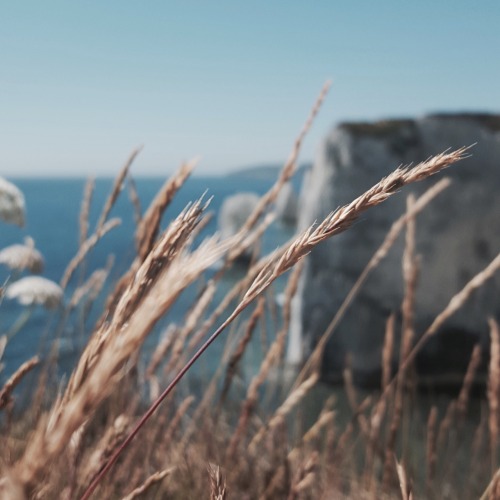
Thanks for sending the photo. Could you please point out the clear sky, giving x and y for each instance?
(83, 83)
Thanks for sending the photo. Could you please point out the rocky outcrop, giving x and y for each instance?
(457, 236)
(287, 205)
(233, 213)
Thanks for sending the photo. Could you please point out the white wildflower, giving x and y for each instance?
(12, 206)
(35, 290)
(21, 257)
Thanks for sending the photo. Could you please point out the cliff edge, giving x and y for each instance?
(458, 234)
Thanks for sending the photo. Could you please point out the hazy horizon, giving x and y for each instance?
(84, 84)
(240, 169)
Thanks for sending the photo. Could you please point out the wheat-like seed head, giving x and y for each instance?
(341, 219)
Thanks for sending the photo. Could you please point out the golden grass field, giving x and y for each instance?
(121, 429)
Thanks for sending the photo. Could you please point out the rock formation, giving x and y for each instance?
(458, 234)
(287, 205)
(234, 212)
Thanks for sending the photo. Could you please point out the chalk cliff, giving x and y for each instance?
(458, 234)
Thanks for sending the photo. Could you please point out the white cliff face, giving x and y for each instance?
(457, 236)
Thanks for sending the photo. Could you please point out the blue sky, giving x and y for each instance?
(83, 83)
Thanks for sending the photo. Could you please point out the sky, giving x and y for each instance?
(84, 83)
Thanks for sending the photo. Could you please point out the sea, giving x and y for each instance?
(52, 219)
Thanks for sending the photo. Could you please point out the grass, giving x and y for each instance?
(112, 432)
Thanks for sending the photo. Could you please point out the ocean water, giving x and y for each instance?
(52, 220)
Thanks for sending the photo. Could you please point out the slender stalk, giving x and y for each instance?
(93, 485)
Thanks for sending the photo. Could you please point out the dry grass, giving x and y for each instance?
(10, 385)
(494, 391)
(78, 441)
